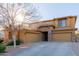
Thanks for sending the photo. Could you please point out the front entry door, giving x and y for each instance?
(45, 36)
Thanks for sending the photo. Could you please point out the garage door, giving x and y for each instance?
(66, 37)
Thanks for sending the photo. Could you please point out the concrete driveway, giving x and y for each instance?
(47, 49)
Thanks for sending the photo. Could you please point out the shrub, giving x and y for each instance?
(2, 48)
(18, 42)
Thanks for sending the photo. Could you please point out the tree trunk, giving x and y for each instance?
(14, 40)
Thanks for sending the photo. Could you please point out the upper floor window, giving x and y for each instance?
(62, 22)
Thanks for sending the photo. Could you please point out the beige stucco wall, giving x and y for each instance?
(71, 22)
(35, 26)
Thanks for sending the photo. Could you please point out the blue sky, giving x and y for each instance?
(54, 10)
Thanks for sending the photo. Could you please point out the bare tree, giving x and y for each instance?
(13, 15)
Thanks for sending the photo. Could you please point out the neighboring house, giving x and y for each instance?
(57, 29)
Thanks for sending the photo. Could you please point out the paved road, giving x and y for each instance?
(48, 49)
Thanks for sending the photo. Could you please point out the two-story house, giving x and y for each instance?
(57, 29)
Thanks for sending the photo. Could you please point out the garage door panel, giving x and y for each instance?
(61, 37)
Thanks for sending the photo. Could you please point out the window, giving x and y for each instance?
(62, 23)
